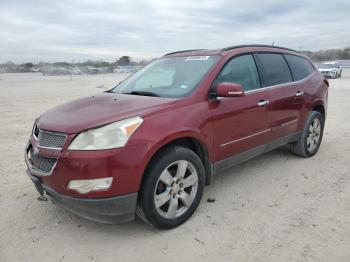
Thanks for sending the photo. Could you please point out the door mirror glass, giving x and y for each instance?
(227, 89)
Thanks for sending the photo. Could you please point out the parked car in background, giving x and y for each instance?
(126, 69)
(54, 71)
(89, 70)
(151, 144)
(76, 71)
(330, 69)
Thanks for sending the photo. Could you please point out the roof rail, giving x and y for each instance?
(256, 45)
(182, 51)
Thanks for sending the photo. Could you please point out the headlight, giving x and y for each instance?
(109, 136)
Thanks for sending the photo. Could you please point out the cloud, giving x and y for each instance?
(65, 30)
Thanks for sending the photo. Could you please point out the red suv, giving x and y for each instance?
(151, 144)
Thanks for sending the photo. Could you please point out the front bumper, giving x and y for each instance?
(329, 74)
(103, 210)
(126, 165)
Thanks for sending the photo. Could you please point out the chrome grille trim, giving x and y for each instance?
(49, 139)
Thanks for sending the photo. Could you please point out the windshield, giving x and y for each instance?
(168, 77)
(328, 66)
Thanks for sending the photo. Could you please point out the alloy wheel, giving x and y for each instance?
(176, 189)
(314, 134)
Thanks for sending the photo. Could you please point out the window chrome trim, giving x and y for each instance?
(235, 92)
(280, 85)
(246, 137)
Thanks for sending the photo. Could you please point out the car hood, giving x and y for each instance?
(97, 110)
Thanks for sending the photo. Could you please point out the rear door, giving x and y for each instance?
(285, 102)
(240, 123)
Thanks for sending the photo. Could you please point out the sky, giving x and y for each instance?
(43, 30)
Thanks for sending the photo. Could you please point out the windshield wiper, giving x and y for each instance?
(142, 93)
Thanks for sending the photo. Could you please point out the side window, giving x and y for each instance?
(299, 66)
(275, 70)
(241, 70)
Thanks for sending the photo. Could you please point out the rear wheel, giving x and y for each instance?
(311, 138)
(172, 188)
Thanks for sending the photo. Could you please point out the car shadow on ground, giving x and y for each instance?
(240, 173)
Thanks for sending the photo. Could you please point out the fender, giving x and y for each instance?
(168, 139)
(178, 135)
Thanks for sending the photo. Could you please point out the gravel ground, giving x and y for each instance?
(277, 207)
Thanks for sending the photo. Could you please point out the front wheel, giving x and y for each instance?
(311, 137)
(172, 188)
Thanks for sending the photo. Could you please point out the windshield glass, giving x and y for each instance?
(168, 77)
(327, 66)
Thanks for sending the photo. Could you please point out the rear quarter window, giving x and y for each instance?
(300, 67)
(274, 69)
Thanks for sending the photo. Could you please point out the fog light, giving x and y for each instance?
(86, 186)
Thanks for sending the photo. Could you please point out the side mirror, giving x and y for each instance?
(226, 89)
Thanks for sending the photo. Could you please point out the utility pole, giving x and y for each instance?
(71, 70)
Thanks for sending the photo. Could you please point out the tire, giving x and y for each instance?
(172, 188)
(306, 146)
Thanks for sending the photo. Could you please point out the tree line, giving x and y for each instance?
(28, 67)
(329, 54)
(317, 56)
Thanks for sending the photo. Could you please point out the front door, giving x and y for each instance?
(240, 123)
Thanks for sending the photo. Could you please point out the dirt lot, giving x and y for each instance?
(277, 207)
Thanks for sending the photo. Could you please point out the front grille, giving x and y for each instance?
(40, 163)
(50, 139)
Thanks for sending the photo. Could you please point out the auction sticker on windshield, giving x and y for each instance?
(191, 58)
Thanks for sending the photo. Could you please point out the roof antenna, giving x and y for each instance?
(273, 43)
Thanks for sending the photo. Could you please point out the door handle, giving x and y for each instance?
(263, 103)
(299, 93)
